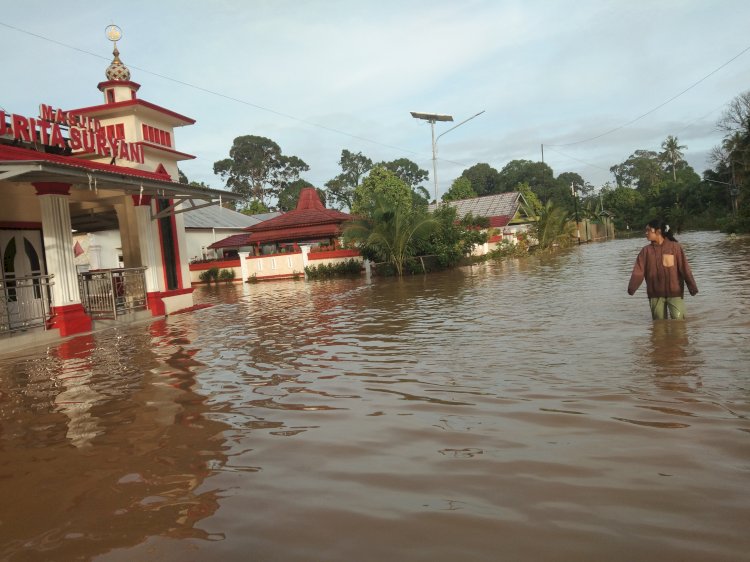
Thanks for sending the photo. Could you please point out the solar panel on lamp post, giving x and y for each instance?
(432, 118)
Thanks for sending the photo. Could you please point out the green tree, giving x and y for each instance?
(626, 204)
(254, 207)
(484, 179)
(181, 177)
(287, 172)
(289, 196)
(391, 232)
(411, 174)
(460, 189)
(672, 154)
(256, 168)
(537, 174)
(381, 187)
(453, 239)
(353, 169)
(732, 162)
(641, 170)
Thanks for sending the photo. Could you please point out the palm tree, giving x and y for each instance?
(391, 233)
(672, 153)
(552, 227)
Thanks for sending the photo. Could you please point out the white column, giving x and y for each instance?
(58, 248)
(305, 258)
(243, 265)
(146, 243)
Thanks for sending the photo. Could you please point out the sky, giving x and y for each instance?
(590, 81)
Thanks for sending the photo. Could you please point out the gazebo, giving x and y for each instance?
(285, 246)
(310, 224)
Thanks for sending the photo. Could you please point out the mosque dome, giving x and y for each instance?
(117, 71)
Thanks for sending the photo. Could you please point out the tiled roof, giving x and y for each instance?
(282, 235)
(234, 241)
(297, 234)
(500, 206)
(309, 220)
(309, 211)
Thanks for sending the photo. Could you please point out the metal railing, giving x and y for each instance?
(25, 302)
(109, 293)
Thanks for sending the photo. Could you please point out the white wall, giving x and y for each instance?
(101, 250)
(197, 239)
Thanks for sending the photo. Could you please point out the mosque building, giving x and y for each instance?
(99, 167)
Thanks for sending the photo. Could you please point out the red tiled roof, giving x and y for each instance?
(297, 234)
(14, 153)
(310, 211)
(234, 241)
(308, 221)
(279, 235)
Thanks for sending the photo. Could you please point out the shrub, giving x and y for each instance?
(329, 270)
(506, 249)
(209, 275)
(226, 275)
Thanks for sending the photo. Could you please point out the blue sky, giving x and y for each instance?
(318, 77)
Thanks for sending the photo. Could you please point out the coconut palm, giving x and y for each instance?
(672, 153)
(552, 227)
(391, 233)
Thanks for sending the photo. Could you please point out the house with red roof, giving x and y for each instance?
(507, 214)
(283, 246)
(106, 166)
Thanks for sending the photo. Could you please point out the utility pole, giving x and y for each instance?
(574, 191)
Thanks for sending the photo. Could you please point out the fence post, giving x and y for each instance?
(114, 293)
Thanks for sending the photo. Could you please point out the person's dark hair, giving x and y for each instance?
(666, 230)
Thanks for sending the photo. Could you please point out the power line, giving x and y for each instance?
(577, 159)
(215, 93)
(658, 106)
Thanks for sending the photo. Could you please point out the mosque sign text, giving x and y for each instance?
(86, 134)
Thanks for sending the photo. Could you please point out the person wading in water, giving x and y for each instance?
(666, 270)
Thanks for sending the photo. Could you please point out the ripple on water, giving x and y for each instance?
(529, 408)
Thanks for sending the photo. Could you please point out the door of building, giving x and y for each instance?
(23, 295)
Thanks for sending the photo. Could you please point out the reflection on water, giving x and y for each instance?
(102, 444)
(525, 410)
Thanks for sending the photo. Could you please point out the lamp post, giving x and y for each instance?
(574, 191)
(432, 118)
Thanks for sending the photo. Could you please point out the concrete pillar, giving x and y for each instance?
(68, 314)
(150, 257)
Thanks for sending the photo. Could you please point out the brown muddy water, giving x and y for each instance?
(528, 410)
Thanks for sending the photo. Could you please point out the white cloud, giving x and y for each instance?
(545, 72)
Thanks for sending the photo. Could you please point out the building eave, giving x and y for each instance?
(123, 107)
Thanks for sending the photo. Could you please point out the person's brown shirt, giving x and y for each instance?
(665, 269)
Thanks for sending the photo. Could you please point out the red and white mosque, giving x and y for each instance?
(112, 165)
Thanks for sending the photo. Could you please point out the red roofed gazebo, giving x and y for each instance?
(310, 223)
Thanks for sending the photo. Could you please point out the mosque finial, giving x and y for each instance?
(116, 70)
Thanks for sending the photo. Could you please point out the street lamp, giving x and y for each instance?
(432, 118)
(574, 191)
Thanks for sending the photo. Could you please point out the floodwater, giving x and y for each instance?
(526, 410)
